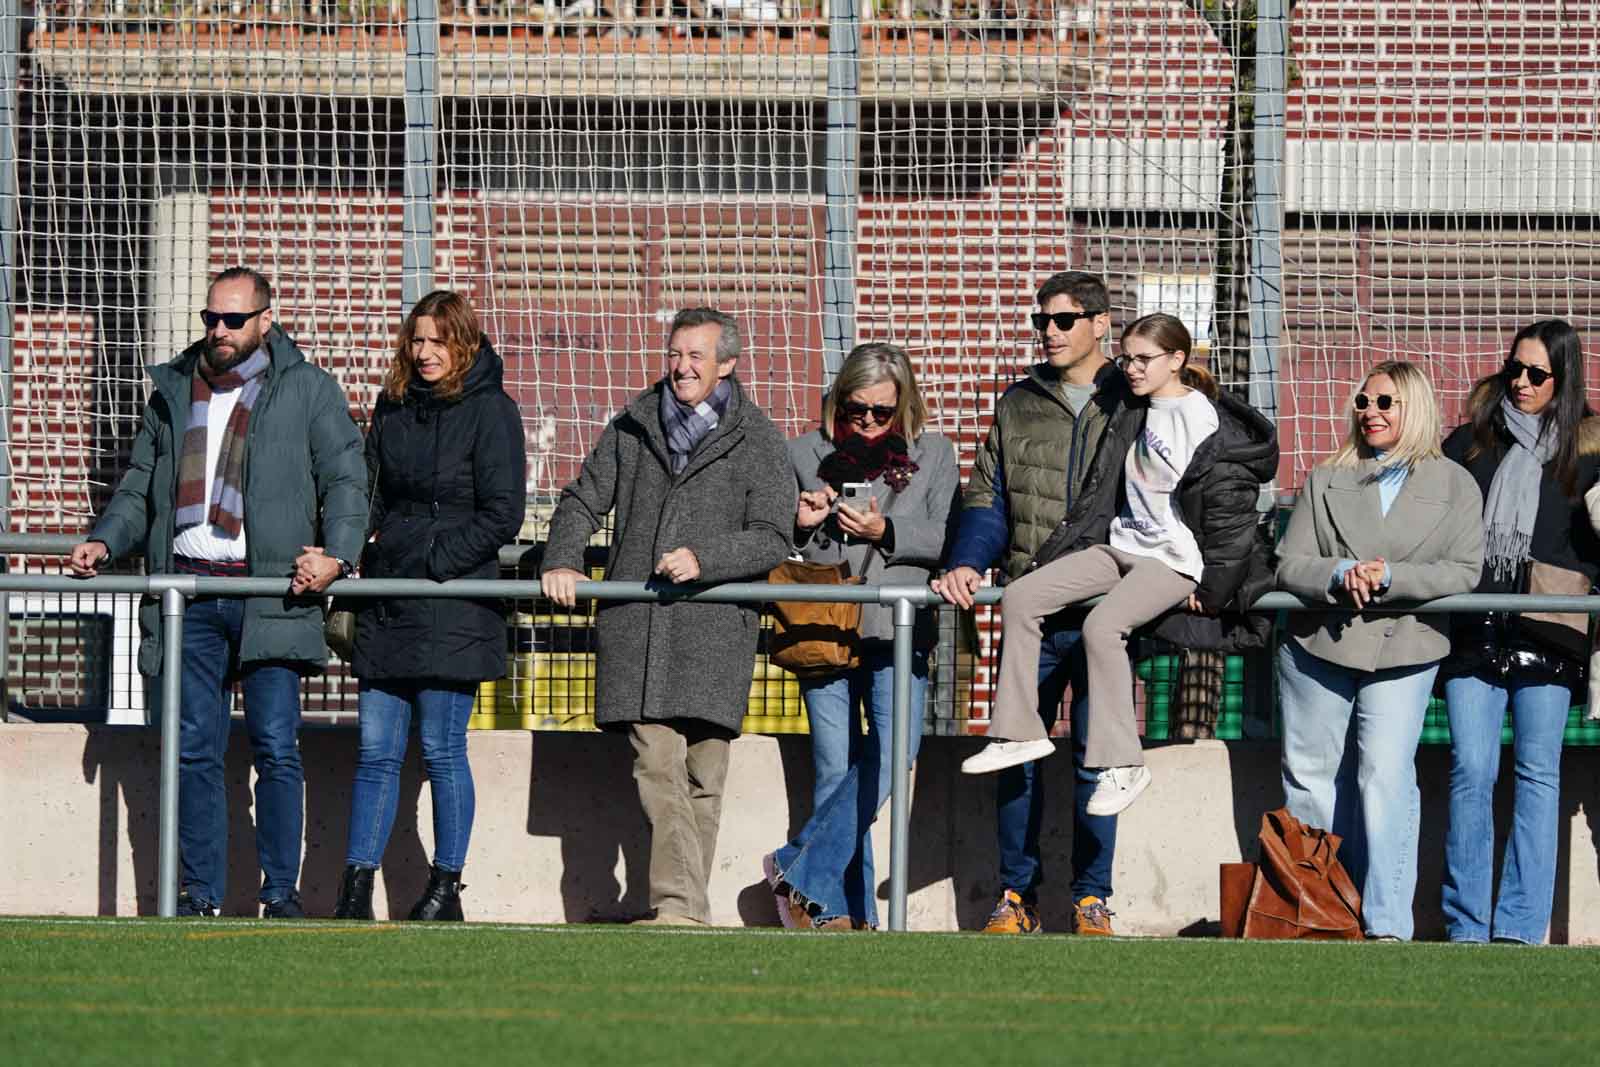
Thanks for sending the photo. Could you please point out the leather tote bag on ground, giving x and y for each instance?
(813, 638)
(1301, 890)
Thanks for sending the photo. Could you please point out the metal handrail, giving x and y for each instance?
(174, 590)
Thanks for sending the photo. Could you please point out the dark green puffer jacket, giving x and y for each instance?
(1031, 469)
(305, 483)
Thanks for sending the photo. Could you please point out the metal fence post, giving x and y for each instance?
(172, 605)
(905, 617)
(842, 185)
(422, 149)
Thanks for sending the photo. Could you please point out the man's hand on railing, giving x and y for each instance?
(314, 570)
(958, 585)
(561, 585)
(86, 559)
(678, 566)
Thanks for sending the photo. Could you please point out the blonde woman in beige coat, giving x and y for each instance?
(1386, 518)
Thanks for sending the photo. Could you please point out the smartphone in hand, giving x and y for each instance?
(855, 494)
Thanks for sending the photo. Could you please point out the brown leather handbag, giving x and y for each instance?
(811, 638)
(1301, 890)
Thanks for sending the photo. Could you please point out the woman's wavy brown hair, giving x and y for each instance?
(462, 335)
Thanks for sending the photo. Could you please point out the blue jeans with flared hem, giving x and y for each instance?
(1528, 876)
(829, 862)
(1350, 766)
(211, 633)
(1019, 791)
(442, 710)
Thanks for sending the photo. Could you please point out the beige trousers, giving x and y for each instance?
(1137, 590)
(680, 767)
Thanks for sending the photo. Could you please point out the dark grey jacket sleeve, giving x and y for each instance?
(125, 523)
(339, 468)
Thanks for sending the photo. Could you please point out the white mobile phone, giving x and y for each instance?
(856, 494)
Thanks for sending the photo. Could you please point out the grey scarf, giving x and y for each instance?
(1513, 501)
(686, 427)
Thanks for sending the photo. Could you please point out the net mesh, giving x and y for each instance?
(599, 165)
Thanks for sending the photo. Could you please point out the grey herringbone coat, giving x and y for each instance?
(733, 506)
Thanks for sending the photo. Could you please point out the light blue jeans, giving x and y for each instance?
(1528, 878)
(386, 709)
(829, 862)
(1350, 766)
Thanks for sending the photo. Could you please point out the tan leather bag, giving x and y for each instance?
(1567, 630)
(813, 638)
(1301, 890)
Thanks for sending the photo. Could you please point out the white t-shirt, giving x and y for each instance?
(206, 541)
(1146, 526)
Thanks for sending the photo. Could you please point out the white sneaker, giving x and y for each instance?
(998, 755)
(1115, 788)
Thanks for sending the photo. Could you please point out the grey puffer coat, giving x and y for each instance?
(305, 483)
(733, 507)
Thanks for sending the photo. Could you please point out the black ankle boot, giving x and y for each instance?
(355, 894)
(442, 899)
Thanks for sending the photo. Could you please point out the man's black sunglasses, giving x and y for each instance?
(1064, 320)
(233, 320)
(881, 412)
(1515, 369)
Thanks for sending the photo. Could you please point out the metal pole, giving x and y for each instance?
(905, 617)
(1266, 230)
(422, 148)
(842, 184)
(10, 43)
(172, 604)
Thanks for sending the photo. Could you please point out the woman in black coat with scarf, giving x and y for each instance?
(1526, 447)
(446, 459)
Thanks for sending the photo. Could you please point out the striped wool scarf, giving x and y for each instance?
(226, 507)
(686, 427)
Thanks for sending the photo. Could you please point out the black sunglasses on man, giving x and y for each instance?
(233, 320)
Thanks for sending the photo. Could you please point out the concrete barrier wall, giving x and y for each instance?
(559, 836)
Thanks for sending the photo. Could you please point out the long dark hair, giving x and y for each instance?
(1567, 407)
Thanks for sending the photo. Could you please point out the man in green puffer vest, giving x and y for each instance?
(1033, 465)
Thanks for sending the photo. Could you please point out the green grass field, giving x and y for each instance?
(241, 992)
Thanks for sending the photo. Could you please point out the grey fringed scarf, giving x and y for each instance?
(1513, 501)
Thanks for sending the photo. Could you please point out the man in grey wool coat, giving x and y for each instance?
(700, 482)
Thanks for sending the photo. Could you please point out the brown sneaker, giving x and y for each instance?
(1092, 918)
(843, 922)
(1013, 916)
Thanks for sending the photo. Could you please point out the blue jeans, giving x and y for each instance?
(211, 631)
(442, 710)
(1350, 766)
(1019, 791)
(830, 860)
(1528, 878)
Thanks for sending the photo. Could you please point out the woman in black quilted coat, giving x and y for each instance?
(446, 456)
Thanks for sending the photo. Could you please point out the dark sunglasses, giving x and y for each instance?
(1383, 401)
(881, 412)
(1064, 320)
(1537, 376)
(233, 320)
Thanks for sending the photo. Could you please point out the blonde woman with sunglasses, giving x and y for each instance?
(875, 492)
(1387, 517)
